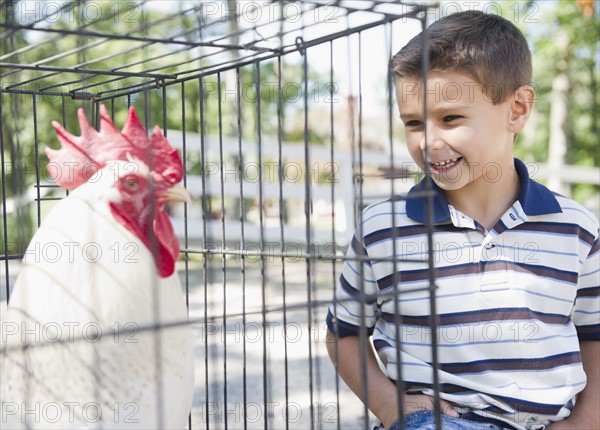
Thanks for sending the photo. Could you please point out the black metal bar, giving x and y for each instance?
(164, 111)
(86, 71)
(395, 278)
(186, 260)
(429, 226)
(365, 341)
(185, 207)
(271, 254)
(224, 240)
(37, 163)
(79, 32)
(307, 216)
(262, 240)
(333, 215)
(5, 255)
(204, 237)
(280, 178)
(64, 122)
(242, 237)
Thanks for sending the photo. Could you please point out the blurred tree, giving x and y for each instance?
(565, 52)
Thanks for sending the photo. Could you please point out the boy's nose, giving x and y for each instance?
(433, 140)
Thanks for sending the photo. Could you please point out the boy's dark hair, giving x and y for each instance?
(489, 48)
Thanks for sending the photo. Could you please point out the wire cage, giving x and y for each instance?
(267, 103)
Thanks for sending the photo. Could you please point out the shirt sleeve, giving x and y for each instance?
(355, 302)
(586, 312)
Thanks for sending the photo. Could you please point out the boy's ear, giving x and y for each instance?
(521, 106)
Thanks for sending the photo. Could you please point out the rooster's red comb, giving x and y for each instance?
(81, 156)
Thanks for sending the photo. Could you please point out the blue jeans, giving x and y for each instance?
(425, 420)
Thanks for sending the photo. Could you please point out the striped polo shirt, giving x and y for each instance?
(512, 303)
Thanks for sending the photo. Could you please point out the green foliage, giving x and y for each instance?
(584, 98)
(579, 62)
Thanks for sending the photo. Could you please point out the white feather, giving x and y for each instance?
(85, 279)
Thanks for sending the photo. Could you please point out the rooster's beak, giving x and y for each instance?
(177, 193)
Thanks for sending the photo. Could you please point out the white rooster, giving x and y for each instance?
(96, 333)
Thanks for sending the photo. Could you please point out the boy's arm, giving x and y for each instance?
(382, 396)
(586, 413)
(381, 392)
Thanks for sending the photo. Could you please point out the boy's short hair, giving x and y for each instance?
(489, 48)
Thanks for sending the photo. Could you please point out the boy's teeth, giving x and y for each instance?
(443, 163)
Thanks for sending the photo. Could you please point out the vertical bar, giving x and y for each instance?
(262, 240)
(94, 114)
(146, 110)
(4, 211)
(396, 258)
(64, 112)
(205, 253)
(356, 212)
(96, 367)
(37, 162)
(64, 122)
(281, 232)
(359, 179)
(429, 227)
(185, 206)
(157, 332)
(112, 109)
(223, 243)
(308, 226)
(360, 124)
(164, 109)
(242, 238)
(185, 215)
(333, 214)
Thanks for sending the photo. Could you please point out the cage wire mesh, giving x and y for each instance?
(266, 102)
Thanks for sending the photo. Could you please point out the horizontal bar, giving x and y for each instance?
(80, 33)
(87, 71)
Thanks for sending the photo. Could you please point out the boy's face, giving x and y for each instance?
(470, 140)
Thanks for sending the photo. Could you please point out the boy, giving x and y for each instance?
(517, 267)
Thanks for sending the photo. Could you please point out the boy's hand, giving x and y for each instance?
(416, 402)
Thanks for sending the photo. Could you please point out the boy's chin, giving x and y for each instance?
(448, 182)
(446, 186)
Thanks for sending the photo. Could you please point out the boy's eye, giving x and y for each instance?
(413, 124)
(450, 118)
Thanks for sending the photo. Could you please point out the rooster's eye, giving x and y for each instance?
(131, 184)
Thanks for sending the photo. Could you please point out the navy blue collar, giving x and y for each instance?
(535, 198)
